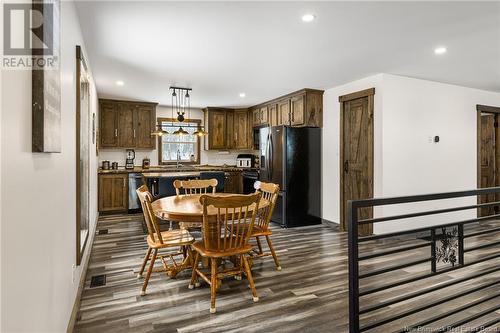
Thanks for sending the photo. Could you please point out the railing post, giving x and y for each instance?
(461, 244)
(352, 223)
(433, 251)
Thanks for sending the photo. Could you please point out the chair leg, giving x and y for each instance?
(213, 284)
(250, 278)
(275, 257)
(150, 270)
(258, 244)
(144, 262)
(194, 275)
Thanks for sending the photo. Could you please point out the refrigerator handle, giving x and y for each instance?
(271, 153)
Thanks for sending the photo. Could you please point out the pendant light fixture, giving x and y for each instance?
(181, 102)
(159, 131)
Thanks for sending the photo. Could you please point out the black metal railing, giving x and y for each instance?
(447, 249)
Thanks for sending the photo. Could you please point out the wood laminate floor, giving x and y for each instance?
(310, 294)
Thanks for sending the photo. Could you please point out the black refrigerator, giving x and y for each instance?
(291, 157)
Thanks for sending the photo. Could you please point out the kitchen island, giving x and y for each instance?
(117, 187)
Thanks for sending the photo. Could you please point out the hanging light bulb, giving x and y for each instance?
(159, 131)
(181, 132)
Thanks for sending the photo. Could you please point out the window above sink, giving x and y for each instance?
(183, 149)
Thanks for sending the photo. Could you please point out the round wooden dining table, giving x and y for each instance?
(187, 208)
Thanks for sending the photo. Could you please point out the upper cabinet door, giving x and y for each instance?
(145, 124)
(230, 137)
(256, 117)
(126, 130)
(273, 114)
(108, 125)
(217, 130)
(297, 110)
(264, 115)
(284, 112)
(241, 129)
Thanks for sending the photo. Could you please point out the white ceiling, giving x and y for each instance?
(265, 50)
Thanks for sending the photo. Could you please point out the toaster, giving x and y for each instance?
(245, 161)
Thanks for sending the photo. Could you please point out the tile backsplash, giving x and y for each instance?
(207, 156)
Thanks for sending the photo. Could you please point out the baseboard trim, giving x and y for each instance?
(331, 224)
(81, 283)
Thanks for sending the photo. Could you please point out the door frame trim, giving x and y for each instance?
(342, 99)
(482, 109)
(80, 60)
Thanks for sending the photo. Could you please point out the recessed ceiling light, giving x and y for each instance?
(120, 83)
(242, 95)
(440, 50)
(308, 17)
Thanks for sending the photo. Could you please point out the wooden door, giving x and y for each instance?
(230, 133)
(488, 160)
(233, 182)
(357, 155)
(126, 130)
(297, 108)
(217, 129)
(145, 118)
(256, 117)
(273, 114)
(113, 192)
(264, 115)
(108, 125)
(241, 129)
(284, 112)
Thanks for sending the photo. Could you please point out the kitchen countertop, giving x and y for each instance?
(171, 174)
(195, 169)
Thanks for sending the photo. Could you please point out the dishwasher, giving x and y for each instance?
(135, 180)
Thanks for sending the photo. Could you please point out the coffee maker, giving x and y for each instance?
(129, 162)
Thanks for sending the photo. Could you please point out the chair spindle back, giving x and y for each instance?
(270, 192)
(233, 223)
(146, 198)
(195, 186)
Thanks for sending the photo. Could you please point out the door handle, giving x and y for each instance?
(134, 132)
(271, 154)
(116, 132)
(346, 166)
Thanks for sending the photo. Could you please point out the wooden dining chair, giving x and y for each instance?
(226, 232)
(261, 228)
(158, 240)
(192, 187)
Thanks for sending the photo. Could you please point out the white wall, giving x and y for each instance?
(407, 112)
(331, 142)
(38, 201)
(206, 156)
(414, 111)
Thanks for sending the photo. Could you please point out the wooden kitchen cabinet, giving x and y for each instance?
(227, 129)
(264, 115)
(297, 110)
(284, 112)
(241, 129)
(126, 128)
(145, 123)
(216, 128)
(108, 124)
(273, 114)
(300, 108)
(113, 192)
(125, 124)
(233, 182)
(256, 117)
